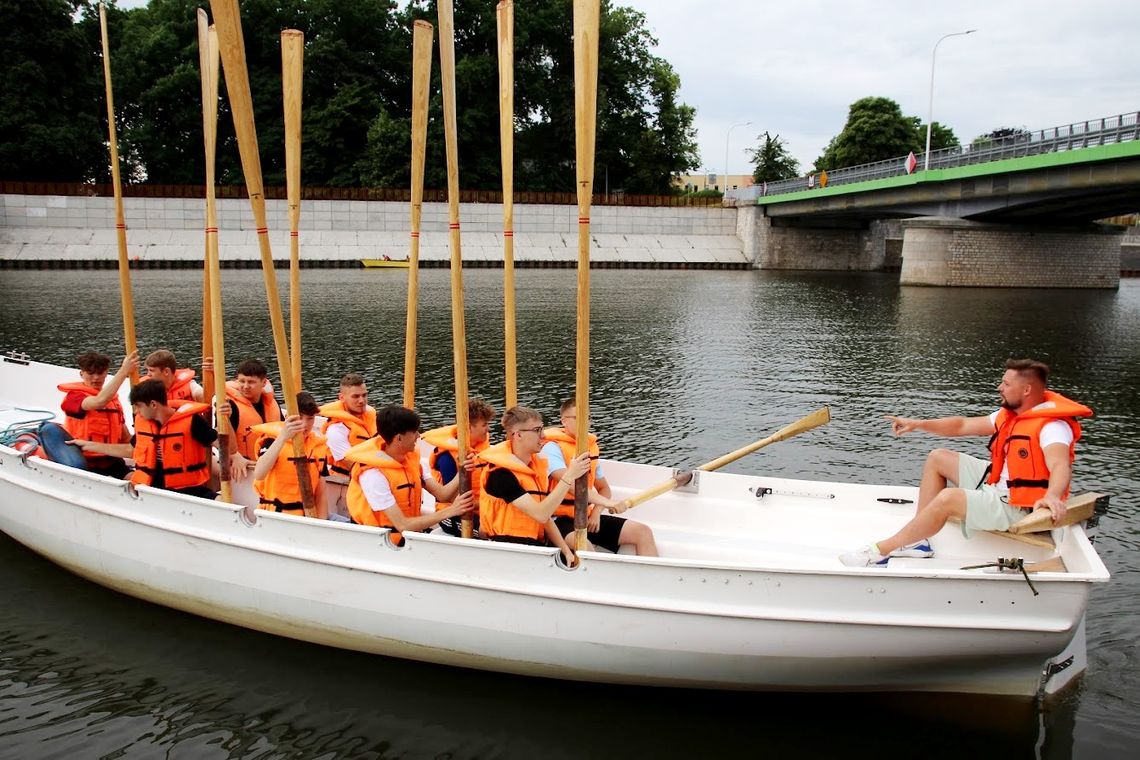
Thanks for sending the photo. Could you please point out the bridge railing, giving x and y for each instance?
(1083, 134)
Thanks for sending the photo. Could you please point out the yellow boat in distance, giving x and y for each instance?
(384, 263)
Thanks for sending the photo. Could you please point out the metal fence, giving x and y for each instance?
(347, 194)
(1086, 134)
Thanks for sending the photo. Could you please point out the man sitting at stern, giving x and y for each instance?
(1032, 446)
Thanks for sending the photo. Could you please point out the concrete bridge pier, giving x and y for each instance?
(947, 252)
(845, 245)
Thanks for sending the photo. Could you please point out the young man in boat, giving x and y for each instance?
(275, 474)
(442, 462)
(388, 482)
(1032, 447)
(606, 531)
(518, 498)
(171, 444)
(249, 401)
(92, 411)
(350, 420)
(180, 383)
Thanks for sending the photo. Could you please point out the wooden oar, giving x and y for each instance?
(228, 22)
(586, 21)
(208, 61)
(810, 422)
(422, 33)
(292, 75)
(125, 297)
(505, 18)
(458, 328)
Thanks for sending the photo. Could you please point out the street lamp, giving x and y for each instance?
(930, 105)
(726, 139)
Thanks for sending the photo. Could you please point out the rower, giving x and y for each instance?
(171, 445)
(250, 401)
(275, 476)
(387, 482)
(517, 501)
(606, 531)
(92, 411)
(180, 383)
(350, 420)
(443, 464)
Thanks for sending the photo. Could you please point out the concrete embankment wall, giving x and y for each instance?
(39, 231)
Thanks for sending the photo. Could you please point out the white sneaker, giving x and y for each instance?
(921, 549)
(863, 557)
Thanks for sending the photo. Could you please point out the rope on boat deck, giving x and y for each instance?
(13, 431)
(1008, 563)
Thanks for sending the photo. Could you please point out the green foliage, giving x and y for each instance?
(772, 161)
(877, 130)
(356, 101)
(51, 94)
(1001, 134)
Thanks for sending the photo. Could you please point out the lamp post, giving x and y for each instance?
(930, 105)
(726, 139)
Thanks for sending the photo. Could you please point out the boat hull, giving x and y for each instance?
(737, 617)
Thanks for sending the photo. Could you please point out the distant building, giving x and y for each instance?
(694, 183)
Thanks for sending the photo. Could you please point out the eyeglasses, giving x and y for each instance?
(536, 430)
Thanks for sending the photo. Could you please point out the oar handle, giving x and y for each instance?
(815, 419)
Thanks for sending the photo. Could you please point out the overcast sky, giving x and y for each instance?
(792, 67)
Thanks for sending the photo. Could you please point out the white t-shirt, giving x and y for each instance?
(376, 490)
(336, 437)
(553, 453)
(1057, 431)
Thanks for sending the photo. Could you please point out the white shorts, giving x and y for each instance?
(987, 507)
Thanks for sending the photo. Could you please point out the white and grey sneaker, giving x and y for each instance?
(865, 556)
(921, 549)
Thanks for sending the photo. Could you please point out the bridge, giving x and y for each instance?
(1051, 183)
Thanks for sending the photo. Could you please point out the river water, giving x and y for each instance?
(685, 366)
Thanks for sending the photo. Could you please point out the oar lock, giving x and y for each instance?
(1007, 563)
(761, 491)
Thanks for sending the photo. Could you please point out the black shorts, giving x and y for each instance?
(453, 526)
(519, 540)
(112, 467)
(609, 532)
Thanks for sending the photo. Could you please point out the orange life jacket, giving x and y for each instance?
(404, 478)
(497, 517)
(1016, 444)
(446, 439)
(104, 425)
(360, 429)
(279, 490)
(248, 416)
(185, 462)
(569, 446)
(181, 389)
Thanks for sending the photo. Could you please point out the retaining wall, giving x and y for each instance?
(38, 230)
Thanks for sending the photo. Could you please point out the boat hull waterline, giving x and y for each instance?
(748, 595)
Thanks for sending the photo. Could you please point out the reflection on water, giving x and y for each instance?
(684, 367)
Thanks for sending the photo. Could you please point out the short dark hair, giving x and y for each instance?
(478, 409)
(1030, 370)
(253, 368)
(567, 405)
(351, 380)
(393, 420)
(162, 359)
(147, 391)
(307, 404)
(93, 362)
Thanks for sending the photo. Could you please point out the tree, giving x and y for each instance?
(50, 95)
(876, 130)
(772, 161)
(941, 136)
(1000, 135)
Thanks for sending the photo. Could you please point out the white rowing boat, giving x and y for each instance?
(749, 593)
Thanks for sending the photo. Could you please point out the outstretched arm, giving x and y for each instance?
(944, 426)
